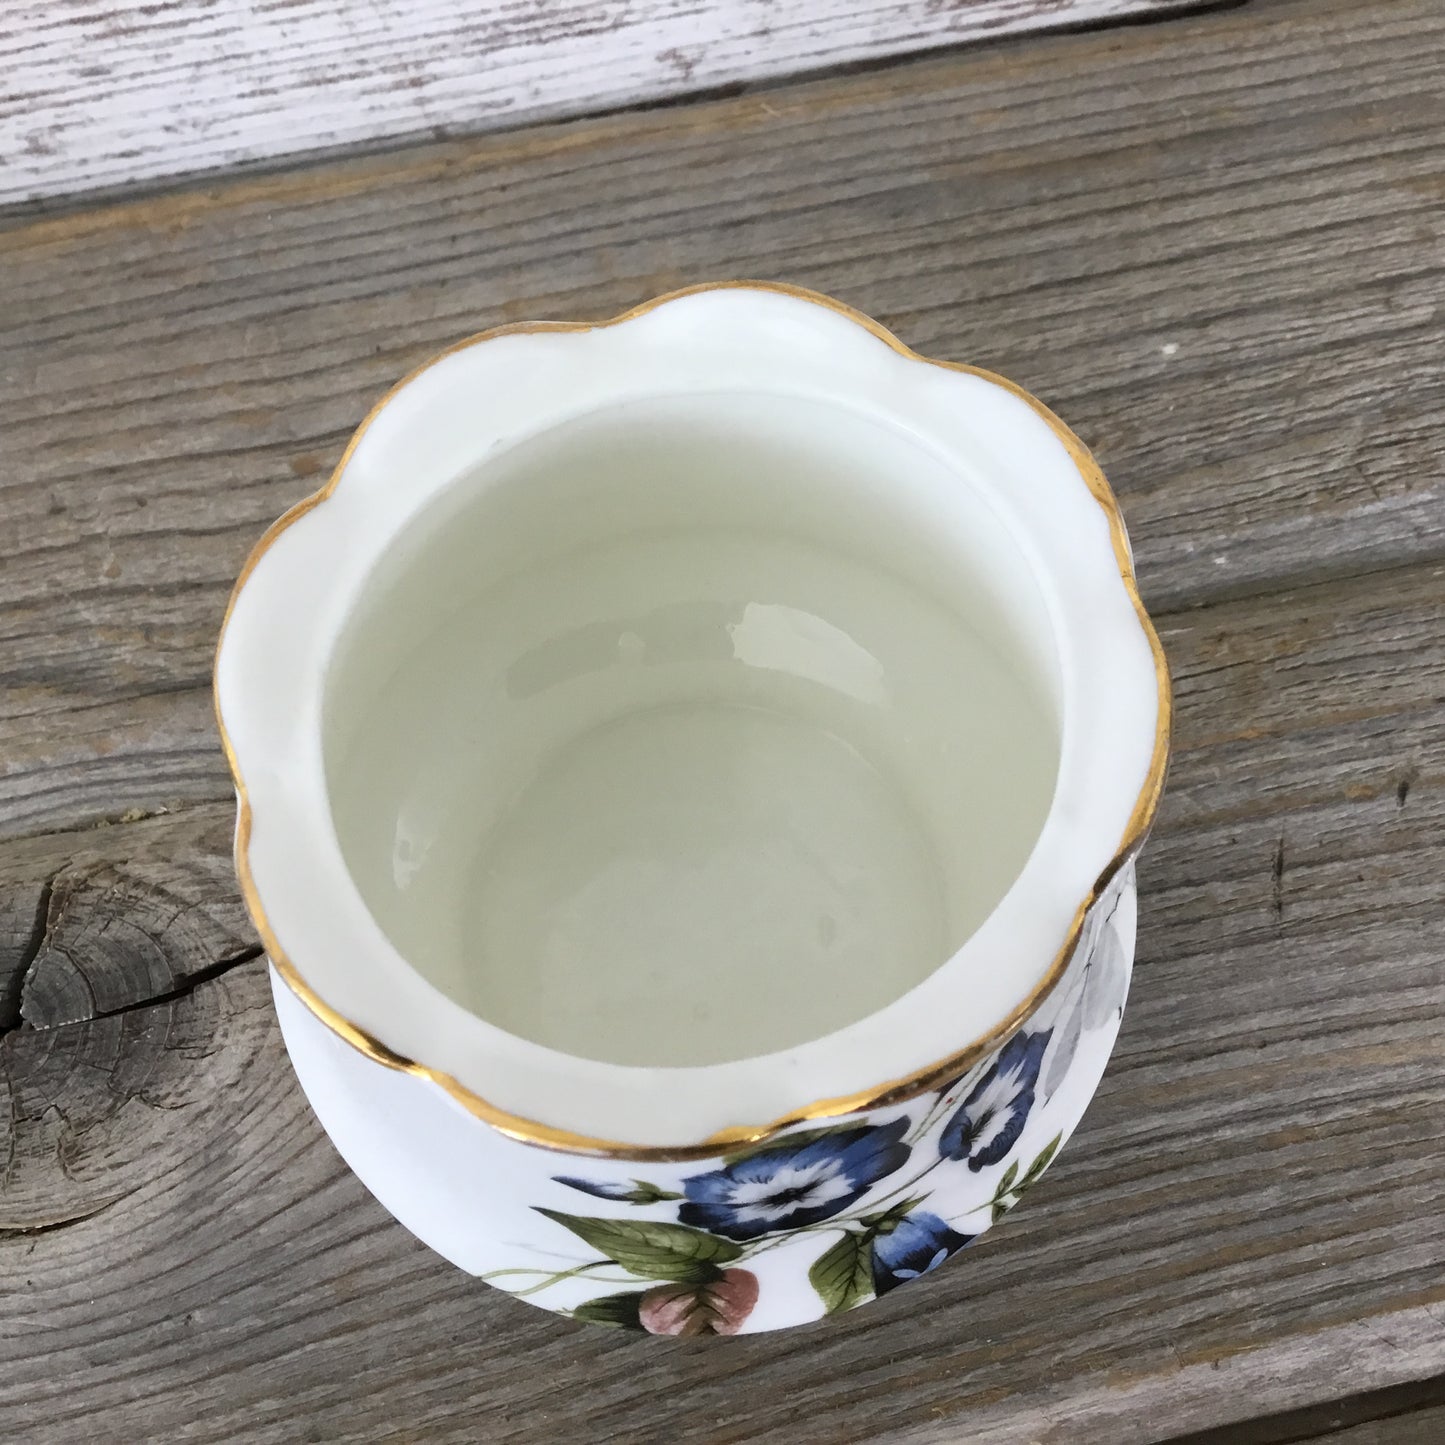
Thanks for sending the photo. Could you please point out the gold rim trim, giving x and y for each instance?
(894, 1091)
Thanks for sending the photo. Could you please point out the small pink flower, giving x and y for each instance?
(718, 1307)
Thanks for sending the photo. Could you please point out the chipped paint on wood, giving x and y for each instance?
(109, 95)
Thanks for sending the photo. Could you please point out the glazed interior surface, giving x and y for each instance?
(693, 729)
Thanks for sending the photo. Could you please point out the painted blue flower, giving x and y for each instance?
(989, 1122)
(792, 1184)
(918, 1243)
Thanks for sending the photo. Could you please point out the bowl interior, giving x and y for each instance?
(694, 728)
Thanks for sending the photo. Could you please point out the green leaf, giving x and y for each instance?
(652, 1249)
(843, 1273)
(1002, 1202)
(887, 1220)
(1005, 1185)
(646, 1193)
(1046, 1155)
(618, 1310)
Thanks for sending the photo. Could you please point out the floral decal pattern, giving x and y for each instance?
(794, 1184)
(990, 1120)
(864, 1204)
(919, 1242)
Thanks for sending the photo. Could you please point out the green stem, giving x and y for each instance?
(553, 1277)
(876, 1204)
(938, 1107)
(775, 1240)
(548, 1283)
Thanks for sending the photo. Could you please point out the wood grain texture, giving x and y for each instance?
(1425, 1427)
(105, 94)
(1216, 246)
(1408, 1414)
(1218, 261)
(110, 1031)
(1248, 1217)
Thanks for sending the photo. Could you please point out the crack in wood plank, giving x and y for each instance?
(188, 985)
(51, 1226)
(13, 971)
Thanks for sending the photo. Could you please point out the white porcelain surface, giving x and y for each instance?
(689, 753)
(742, 534)
(475, 1196)
(690, 774)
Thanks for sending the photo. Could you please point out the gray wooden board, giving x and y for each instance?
(1214, 245)
(1249, 1217)
(1423, 1427)
(1408, 1414)
(1249, 1221)
(100, 95)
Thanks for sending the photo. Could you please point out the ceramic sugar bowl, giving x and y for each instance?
(690, 771)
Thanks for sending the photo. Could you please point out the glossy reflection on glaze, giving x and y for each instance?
(703, 833)
(651, 752)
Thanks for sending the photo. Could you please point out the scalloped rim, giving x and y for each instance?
(891, 1091)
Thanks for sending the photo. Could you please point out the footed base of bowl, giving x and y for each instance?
(806, 1224)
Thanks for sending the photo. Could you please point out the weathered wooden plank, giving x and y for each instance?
(1423, 1427)
(1220, 262)
(1153, 1407)
(109, 1030)
(1247, 1221)
(102, 95)
(1408, 1414)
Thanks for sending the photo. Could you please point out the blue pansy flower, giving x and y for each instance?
(989, 1122)
(918, 1243)
(789, 1185)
